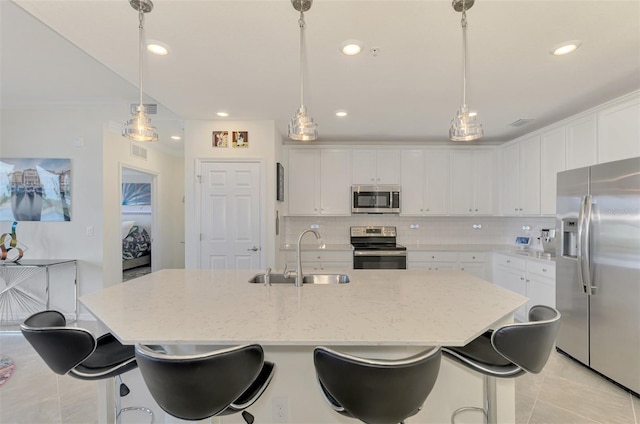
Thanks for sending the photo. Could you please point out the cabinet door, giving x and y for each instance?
(619, 131)
(437, 184)
(335, 182)
(413, 182)
(473, 269)
(552, 161)
(515, 281)
(511, 180)
(387, 166)
(530, 176)
(304, 184)
(461, 172)
(364, 167)
(582, 142)
(484, 182)
(541, 291)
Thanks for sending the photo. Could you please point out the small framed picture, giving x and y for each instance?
(220, 139)
(240, 139)
(279, 182)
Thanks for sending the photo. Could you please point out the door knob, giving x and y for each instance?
(254, 249)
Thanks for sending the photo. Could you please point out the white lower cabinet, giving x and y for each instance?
(320, 260)
(528, 277)
(471, 262)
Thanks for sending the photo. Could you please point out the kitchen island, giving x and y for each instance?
(379, 314)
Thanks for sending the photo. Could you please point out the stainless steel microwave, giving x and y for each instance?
(375, 199)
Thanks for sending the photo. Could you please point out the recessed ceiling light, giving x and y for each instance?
(176, 138)
(565, 48)
(222, 114)
(157, 48)
(351, 47)
(341, 114)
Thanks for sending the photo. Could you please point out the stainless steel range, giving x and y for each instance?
(376, 248)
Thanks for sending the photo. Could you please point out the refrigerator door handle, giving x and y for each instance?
(579, 249)
(586, 243)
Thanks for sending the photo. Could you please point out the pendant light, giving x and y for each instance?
(139, 127)
(464, 126)
(302, 127)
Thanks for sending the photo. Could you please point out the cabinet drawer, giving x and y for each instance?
(425, 256)
(472, 257)
(546, 270)
(325, 255)
(511, 262)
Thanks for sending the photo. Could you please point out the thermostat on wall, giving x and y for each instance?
(523, 241)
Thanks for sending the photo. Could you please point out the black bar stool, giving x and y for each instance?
(376, 391)
(199, 386)
(76, 352)
(507, 352)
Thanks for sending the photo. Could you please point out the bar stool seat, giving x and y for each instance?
(203, 385)
(76, 352)
(376, 391)
(507, 352)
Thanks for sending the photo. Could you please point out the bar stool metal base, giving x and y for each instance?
(489, 411)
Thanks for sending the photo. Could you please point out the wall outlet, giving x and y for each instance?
(280, 409)
(89, 231)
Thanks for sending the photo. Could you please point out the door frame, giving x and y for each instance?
(154, 209)
(263, 204)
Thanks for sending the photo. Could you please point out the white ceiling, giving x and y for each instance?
(241, 56)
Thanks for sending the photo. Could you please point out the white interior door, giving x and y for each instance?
(230, 216)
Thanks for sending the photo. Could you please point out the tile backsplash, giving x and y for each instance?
(426, 230)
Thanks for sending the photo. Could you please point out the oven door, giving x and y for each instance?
(379, 259)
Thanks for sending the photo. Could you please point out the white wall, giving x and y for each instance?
(264, 146)
(97, 152)
(167, 248)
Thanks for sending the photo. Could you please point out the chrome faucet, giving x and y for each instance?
(298, 272)
(267, 276)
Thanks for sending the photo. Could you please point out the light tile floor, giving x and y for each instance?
(564, 393)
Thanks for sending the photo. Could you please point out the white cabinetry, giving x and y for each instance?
(320, 260)
(552, 161)
(379, 166)
(472, 182)
(619, 130)
(424, 179)
(471, 262)
(528, 277)
(521, 178)
(319, 182)
(582, 142)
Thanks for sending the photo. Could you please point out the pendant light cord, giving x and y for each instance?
(141, 47)
(302, 25)
(463, 23)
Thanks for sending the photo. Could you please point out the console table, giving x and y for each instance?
(17, 301)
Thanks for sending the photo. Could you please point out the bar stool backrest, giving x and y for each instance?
(61, 348)
(529, 344)
(199, 386)
(377, 390)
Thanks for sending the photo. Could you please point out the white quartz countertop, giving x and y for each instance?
(379, 307)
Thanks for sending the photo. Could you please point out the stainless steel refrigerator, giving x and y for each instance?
(598, 268)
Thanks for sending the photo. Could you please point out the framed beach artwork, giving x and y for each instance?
(240, 139)
(35, 189)
(136, 198)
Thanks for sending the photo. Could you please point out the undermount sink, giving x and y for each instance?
(308, 279)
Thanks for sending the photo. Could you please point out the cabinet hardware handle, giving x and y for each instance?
(521, 278)
(544, 269)
(508, 261)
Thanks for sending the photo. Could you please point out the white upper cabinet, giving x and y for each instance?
(319, 182)
(582, 142)
(376, 166)
(552, 161)
(472, 182)
(424, 178)
(619, 130)
(335, 182)
(521, 177)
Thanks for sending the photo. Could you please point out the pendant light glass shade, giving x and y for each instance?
(464, 126)
(301, 126)
(139, 127)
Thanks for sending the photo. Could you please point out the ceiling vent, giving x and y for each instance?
(138, 151)
(151, 108)
(521, 122)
